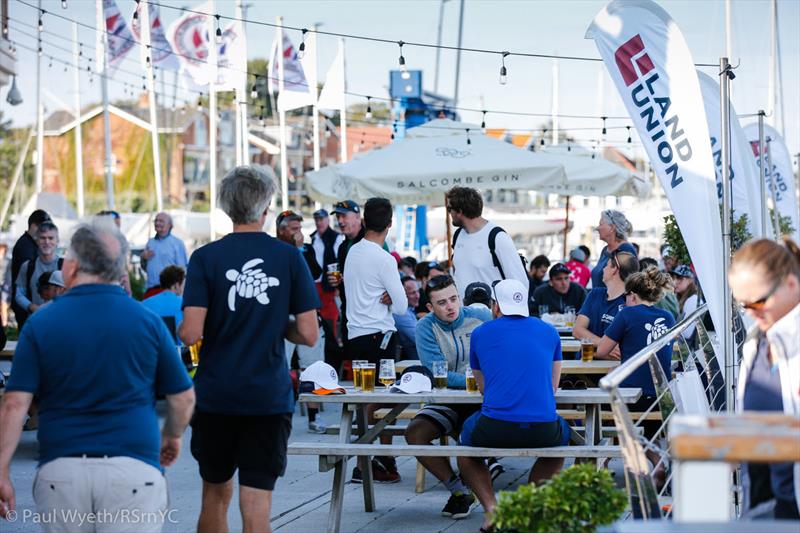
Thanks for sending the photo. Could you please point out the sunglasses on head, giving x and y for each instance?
(615, 256)
(439, 282)
(758, 305)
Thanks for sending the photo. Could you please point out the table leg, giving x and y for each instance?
(364, 461)
(340, 473)
(593, 427)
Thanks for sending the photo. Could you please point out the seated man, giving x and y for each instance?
(406, 323)
(517, 364)
(167, 303)
(444, 335)
(423, 272)
(559, 293)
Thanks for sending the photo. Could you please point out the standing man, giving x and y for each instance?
(517, 364)
(348, 216)
(25, 249)
(240, 291)
(482, 251)
(558, 293)
(27, 295)
(163, 250)
(326, 242)
(97, 361)
(579, 272)
(444, 335)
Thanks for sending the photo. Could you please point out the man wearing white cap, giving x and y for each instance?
(516, 360)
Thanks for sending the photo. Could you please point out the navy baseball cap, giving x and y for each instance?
(288, 216)
(559, 268)
(346, 206)
(682, 271)
(320, 213)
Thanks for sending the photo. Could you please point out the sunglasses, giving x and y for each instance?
(758, 305)
(439, 282)
(615, 255)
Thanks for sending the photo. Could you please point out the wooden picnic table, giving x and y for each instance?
(354, 403)
(601, 367)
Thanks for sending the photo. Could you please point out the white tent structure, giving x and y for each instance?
(443, 153)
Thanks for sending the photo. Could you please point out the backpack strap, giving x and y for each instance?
(455, 237)
(492, 244)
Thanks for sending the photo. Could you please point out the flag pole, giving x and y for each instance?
(39, 117)
(315, 92)
(282, 120)
(773, 189)
(212, 121)
(241, 99)
(343, 110)
(103, 66)
(79, 200)
(147, 59)
(762, 171)
(728, 341)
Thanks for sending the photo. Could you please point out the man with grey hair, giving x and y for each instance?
(240, 291)
(96, 360)
(163, 250)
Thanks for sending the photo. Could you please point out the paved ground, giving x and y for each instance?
(302, 497)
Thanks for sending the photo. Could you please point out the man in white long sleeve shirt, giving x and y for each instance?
(374, 290)
(482, 251)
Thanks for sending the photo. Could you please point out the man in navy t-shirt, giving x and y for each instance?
(96, 360)
(516, 360)
(240, 291)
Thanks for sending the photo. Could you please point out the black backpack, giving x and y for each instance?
(492, 243)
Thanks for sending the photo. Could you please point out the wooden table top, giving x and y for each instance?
(577, 367)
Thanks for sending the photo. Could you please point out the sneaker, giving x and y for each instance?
(356, 478)
(495, 468)
(317, 427)
(459, 505)
(380, 474)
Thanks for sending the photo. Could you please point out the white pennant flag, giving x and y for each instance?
(160, 50)
(232, 58)
(119, 39)
(778, 171)
(294, 77)
(745, 189)
(652, 68)
(333, 92)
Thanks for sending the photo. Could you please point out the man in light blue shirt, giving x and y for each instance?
(163, 250)
(407, 322)
(168, 302)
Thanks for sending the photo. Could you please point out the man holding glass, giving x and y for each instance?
(443, 341)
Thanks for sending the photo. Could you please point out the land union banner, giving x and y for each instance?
(648, 59)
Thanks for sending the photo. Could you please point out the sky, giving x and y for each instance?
(536, 26)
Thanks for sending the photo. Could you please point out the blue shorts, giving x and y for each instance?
(480, 430)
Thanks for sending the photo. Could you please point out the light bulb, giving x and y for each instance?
(63, 4)
(301, 51)
(254, 92)
(369, 112)
(219, 35)
(503, 75)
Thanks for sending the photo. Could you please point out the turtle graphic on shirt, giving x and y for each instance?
(656, 329)
(250, 283)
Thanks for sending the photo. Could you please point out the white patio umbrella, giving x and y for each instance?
(443, 153)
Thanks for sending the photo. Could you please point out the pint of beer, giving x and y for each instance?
(333, 270)
(440, 375)
(587, 350)
(472, 383)
(194, 351)
(357, 367)
(368, 377)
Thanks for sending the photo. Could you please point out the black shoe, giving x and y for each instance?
(459, 505)
(495, 468)
(356, 476)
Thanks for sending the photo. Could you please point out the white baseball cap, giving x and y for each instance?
(511, 297)
(324, 378)
(411, 383)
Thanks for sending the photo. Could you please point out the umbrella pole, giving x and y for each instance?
(449, 235)
(566, 228)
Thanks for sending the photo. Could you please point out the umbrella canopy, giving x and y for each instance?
(443, 153)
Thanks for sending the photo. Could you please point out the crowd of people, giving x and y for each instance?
(261, 309)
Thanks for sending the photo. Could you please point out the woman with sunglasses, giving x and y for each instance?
(613, 229)
(688, 297)
(603, 303)
(765, 280)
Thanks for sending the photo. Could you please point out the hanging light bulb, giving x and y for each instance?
(604, 125)
(368, 114)
(569, 148)
(50, 64)
(40, 50)
(541, 141)
(63, 4)
(327, 131)
(629, 134)
(144, 83)
(5, 29)
(41, 22)
(301, 51)
(483, 122)
(136, 11)
(403, 68)
(503, 70)
(200, 102)
(219, 30)
(254, 89)
(14, 97)
(468, 139)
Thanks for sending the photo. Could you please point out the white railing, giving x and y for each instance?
(696, 387)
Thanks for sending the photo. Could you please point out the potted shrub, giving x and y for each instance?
(577, 500)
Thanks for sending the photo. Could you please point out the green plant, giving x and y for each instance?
(739, 235)
(577, 500)
(784, 222)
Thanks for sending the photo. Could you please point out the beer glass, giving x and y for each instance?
(440, 375)
(333, 270)
(368, 377)
(194, 351)
(587, 350)
(543, 310)
(472, 383)
(386, 374)
(357, 366)
(569, 312)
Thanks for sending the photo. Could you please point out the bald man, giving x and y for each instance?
(162, 251)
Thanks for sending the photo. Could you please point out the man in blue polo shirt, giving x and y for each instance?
(162, 250)
(96, 359)
(516, 360)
